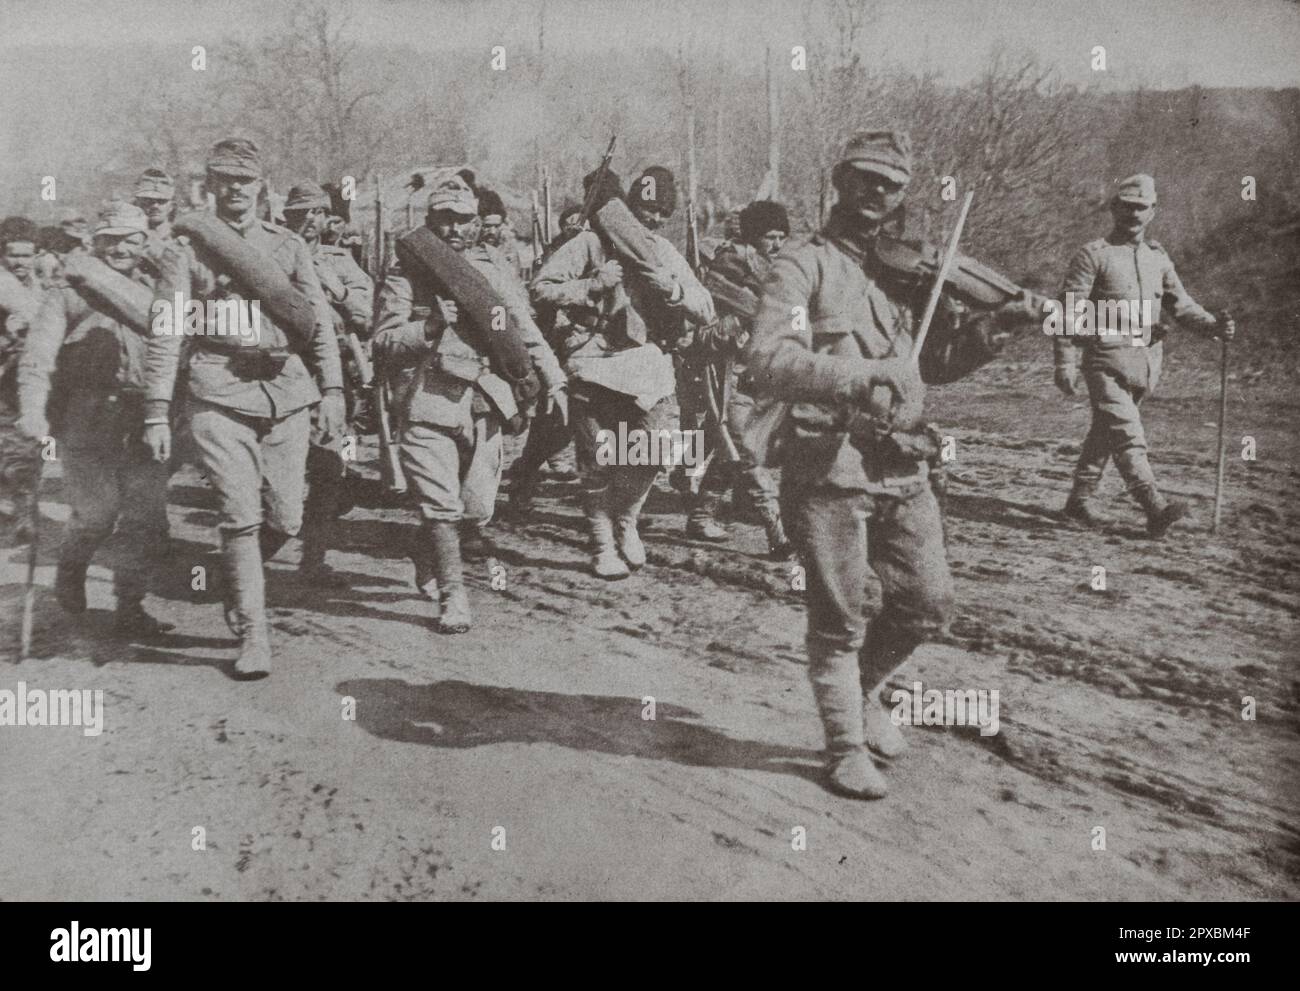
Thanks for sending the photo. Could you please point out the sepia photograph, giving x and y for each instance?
(650, 451)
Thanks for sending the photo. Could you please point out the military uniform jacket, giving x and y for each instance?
(160, 238)
(101, 363)
(441, 374)
(348, 289)
(212, 379)
(1110, 269)
(822, 305)
(568, 281)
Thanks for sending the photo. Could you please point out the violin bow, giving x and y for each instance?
(933, 303)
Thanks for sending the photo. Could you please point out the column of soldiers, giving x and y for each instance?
(796, 358)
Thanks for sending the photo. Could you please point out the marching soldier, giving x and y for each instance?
(20, 297)
(736, 280)
(350, 293)
(109, 475)
(453, 404)
(155, 194)
(832, 339)
(248, 407)
(497, 232)
(1121, 369)
(622, 330)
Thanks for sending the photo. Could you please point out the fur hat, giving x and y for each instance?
(654, 186)
(762, 216)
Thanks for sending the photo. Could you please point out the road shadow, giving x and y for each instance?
(1003, 512)
(460, 715)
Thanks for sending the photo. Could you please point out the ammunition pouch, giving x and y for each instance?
(262, 364)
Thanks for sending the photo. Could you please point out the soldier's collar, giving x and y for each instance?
(1116, 238)
(242, 226)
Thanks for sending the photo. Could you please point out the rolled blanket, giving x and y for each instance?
(427, 259)
(111, 291)
(257, 276)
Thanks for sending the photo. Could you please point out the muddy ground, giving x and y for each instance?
(1119, 709)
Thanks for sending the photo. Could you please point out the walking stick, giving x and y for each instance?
(29, 592)
(1223, 422)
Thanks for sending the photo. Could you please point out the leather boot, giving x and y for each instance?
(523, 492)
(453, 611)
(701, 522)
(475, 544)
(605, 562)
(130, 618)
(834, 677)
(627, 495)
(242, 563)
(1161, 513)
(1080, 507)
(70, 578)
(426, 573)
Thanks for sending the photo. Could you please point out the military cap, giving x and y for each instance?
(886, 152)
(451, 192)
(307, 196)
(237, 157)
(1139, 189)
(120, 217)
(154, 184)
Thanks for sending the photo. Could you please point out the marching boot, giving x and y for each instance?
(130, 618)
(453, 612)
(426, 573)
(475, 544)
(628, 494)
(1079, 506)
(246, 601)
(70, 577)
(605, 562)
(246, 614)
(834, 676)
(701, 522)
(1161, 513)
(523, 492)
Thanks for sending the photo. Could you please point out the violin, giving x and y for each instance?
(916, 264)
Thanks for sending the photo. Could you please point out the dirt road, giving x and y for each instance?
(515, 761)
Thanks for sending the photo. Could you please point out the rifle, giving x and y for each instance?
(546, 208)
(589, 201)
(390, 466)
(539, 238)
